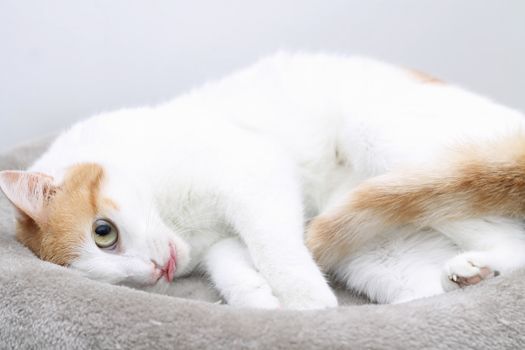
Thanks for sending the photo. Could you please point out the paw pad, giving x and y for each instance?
(464, 281)
(465, 270)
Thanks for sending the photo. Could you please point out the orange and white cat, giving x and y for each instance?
(224, 178)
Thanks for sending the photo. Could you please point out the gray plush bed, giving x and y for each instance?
(47, 306)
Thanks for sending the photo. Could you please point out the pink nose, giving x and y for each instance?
(169, 269)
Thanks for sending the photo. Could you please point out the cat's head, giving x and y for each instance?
(103, 227)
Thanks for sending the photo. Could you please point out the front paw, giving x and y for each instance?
(260, 297)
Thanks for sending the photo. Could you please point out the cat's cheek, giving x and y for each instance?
(98, 270)
(116, 269)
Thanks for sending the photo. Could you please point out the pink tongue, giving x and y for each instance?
(170, 270)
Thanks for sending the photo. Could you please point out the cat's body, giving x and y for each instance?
(234, 170)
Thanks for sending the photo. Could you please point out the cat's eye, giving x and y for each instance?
(104, 233)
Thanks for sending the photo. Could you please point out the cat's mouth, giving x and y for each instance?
(167, 270)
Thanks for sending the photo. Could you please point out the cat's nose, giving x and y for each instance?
(158, 271)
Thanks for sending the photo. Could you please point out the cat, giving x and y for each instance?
(223, 179)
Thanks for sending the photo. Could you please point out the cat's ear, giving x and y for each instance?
(29, 192)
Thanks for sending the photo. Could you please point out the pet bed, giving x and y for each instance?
(47, 306)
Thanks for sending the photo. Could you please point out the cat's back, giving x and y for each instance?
(309, 101)
(301, 100)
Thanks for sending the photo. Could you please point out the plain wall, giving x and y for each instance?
(62, 60)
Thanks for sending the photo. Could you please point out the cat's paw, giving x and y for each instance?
(260, 298)
(465, 270)
(311, 300)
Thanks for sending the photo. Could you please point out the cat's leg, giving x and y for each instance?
(473, 180)
(273, 232)
(267, 213)
(232, 272)
(491, 246)
(398, 266)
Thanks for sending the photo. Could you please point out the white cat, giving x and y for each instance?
(225, 177)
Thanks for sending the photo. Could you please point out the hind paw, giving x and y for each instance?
(465, 270)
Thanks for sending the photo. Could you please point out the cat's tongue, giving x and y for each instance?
(169, 269)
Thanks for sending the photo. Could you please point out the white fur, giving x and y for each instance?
(254, 156)
(233, 273)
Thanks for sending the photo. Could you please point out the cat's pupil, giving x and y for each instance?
(103, 230)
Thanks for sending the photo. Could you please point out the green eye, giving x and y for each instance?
(105, 233)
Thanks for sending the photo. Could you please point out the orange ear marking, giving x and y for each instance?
(69, 210)
(71, 213)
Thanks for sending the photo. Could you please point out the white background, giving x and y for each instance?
(62, 60)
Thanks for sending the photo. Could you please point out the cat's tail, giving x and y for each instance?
(472, 181)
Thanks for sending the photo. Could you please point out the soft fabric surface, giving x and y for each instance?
(47, 306)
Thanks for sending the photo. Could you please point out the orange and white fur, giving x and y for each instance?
(224, 178)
